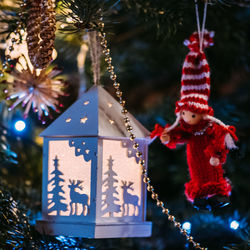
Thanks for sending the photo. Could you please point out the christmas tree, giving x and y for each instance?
(145, 41)
(108, 203)
(57, 190)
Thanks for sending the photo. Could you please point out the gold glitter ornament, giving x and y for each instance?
(37, 90)
(33, 29)
(47, 35)
(41, 28)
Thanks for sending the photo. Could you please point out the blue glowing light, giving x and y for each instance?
(20, 125)
(234, 225)
(187, 226)
(67, 240)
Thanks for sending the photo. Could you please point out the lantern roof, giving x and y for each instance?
(95, 113)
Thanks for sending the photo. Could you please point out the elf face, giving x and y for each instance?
(190, 117)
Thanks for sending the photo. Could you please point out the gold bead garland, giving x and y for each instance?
(7, 60)
(132, 137)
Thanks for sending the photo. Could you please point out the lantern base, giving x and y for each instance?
(92, 230)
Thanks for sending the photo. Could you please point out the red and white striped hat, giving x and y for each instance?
(195, 81)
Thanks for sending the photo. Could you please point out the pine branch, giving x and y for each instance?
(7, 156)
(15, 229)
(85, 14)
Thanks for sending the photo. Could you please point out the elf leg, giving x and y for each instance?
(208, 195)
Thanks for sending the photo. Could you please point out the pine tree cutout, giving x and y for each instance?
(109, 200)
(57, 189)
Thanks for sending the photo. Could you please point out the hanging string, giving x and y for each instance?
(197, 18)
(81, 59)
(95, 54)
(199, 30)
(203, 25)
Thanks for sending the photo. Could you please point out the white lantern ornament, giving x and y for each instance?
(92, 184)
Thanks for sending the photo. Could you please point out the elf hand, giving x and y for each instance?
(214, 161)
(165, 137)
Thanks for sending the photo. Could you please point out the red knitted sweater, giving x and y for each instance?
(205, 140)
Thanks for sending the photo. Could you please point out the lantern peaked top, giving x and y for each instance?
(95, 113)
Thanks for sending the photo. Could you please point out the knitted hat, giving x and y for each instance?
(195, 81)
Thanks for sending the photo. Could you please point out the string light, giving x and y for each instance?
(20, 125)
(146, 179)
(187, 226)
(234, 225)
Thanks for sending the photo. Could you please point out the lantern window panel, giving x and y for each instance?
(121, 183)
(69, 178)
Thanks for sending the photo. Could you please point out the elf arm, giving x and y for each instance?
(220, 143)
(176, 135)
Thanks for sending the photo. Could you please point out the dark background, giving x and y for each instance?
(146, 42)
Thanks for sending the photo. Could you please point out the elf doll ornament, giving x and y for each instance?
(208, 139)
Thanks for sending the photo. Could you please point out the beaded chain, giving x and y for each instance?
(146, 179)
(6, 63)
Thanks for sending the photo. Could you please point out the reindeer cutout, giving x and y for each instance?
(77, 198)
(129, 199)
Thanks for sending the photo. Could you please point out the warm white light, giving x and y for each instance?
(111, 121)
(109, 104)
(69, 20)
(20, 125)
(84, 119)
(234, 225)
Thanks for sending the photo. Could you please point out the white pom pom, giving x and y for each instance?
(211, 33)
(186, 42)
